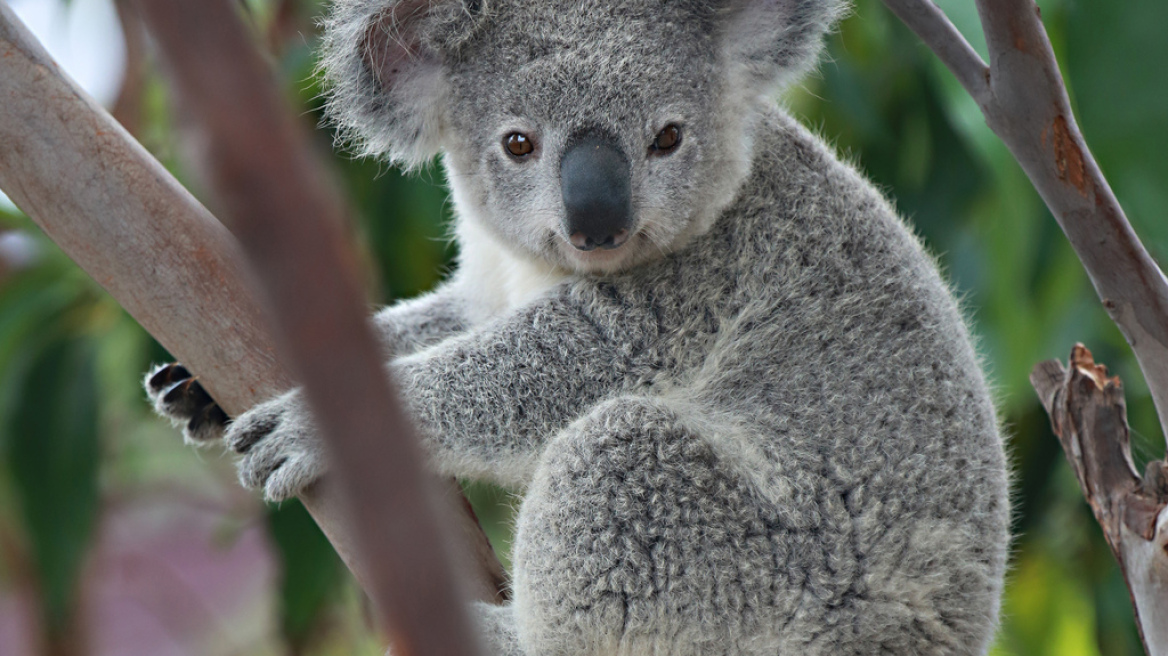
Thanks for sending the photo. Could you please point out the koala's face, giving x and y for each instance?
(591, 141)
(592, 134)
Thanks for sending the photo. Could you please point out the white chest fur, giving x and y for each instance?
(495, 279)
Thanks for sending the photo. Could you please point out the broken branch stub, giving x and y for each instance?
(1089, 416)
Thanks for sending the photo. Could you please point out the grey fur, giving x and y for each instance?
(759, 427)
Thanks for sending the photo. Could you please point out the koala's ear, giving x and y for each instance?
(770, 43)
(383, 64)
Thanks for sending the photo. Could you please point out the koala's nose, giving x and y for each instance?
(594, 177)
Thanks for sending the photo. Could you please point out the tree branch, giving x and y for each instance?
(1028, 108)
(937, 31)
(1088, 415)
(127, 222)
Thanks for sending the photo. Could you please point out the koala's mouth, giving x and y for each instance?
(607, 241)
(602, 258)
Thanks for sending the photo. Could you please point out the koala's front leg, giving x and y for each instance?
(486, 402)
(277, 439)
(409, 326)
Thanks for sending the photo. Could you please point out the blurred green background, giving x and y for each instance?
(116, 538)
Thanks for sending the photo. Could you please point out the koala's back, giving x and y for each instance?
(818, 429)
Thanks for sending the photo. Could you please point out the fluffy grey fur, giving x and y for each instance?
(759, 427)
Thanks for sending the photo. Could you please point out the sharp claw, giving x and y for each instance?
(187, 398)
(167, 376)
(217, 416)
(207, 424)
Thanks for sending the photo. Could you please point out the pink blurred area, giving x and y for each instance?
(167, 577)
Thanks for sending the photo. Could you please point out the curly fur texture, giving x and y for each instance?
(758, 428)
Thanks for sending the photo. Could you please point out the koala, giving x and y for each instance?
(742, 405)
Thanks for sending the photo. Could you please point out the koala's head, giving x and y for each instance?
(591, 134)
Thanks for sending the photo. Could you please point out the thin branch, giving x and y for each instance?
(934, 28)
(1027, 106)
(1088, 414)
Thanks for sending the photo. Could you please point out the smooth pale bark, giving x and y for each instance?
(1024, 100)
(117, 212)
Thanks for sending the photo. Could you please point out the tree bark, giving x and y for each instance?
(109, 205)
(1088, 415)
(1025, 102)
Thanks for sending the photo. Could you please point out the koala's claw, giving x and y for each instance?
(277, 439)
(177, 395)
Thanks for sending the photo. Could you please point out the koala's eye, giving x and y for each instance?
(518, 144)
(666, 140)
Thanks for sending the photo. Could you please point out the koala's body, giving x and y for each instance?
(742, 404)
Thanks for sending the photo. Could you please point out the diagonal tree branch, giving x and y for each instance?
(1025, 103)
(291, 225)
(126, 221)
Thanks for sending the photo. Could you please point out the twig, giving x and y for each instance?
(1088, 414)
(937, 31)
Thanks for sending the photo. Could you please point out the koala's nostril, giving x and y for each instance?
(582, 241)
(616, 240)
(586, 243)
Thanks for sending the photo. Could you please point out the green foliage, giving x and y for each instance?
(52, 459)
(49, 402)
(311, 572)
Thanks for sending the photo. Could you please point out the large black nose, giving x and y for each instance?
(594, 176)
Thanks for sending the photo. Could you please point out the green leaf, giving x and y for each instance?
(53, 458)
(311, 572)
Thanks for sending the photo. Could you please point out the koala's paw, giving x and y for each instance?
(178, 396)
(282, 452)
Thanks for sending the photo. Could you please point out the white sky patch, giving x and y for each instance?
(85, 38)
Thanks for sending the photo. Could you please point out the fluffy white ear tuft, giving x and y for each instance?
(383, 63)
(770, 43)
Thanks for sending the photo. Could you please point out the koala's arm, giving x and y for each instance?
(486, 401)
(402, 328)
(411, 325)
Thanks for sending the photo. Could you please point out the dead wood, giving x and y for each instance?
(1088, 415)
